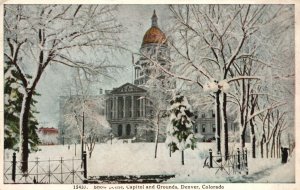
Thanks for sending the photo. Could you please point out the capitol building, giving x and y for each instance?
(128, 108)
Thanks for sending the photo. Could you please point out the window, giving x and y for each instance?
(195, 129)
(128, 129)
(213, 114)
(151, 113)
(214, 127)
(203, 115)
(203, 128)
(120, 130)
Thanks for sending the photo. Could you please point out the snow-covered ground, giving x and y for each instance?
(138, 159)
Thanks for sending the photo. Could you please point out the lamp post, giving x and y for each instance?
(111, 137)
(63, 138)
(82, 138)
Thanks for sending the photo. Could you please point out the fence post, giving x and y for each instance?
(37, 169)
(73, 169)
(210, 158)
(239, 158)
(246, 161)
(14, 163)
(61, 170)
(84, 165)
(49, 174)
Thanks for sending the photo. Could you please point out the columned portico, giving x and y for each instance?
(127, 110)
(132, 106)
(124, 107)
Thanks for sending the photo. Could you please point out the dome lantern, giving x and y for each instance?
(154, 19)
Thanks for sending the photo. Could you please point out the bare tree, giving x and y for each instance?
(37, 36)
(210, 41)
(159, 98)
(88, 109)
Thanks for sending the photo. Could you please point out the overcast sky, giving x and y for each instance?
(136, 19)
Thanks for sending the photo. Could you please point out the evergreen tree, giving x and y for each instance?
(180, 135)
(13, 101)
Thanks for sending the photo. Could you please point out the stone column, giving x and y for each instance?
(132, 106)
(107, 108)
(124, 106)
(113, 107)
(141, 107)
(144, 106)
(117, 111)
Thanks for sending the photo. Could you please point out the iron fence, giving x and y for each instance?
(232, 164)
(46, 171)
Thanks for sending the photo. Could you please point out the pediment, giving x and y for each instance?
(127, 88)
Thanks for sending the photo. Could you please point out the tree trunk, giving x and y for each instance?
(243, 140)
(262, 142)
(225, 125)
(218, 121)
(267, 149)
(24, 130)
(156, 138)
(253, 139)
(279, 145)
(272, 149)
(182, 157)
(273, 145)
(268, 136)
(261, 149)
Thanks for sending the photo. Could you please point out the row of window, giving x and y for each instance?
(211, 115)
(204, 128)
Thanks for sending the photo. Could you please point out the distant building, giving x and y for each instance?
(205, 125)
(48, 136)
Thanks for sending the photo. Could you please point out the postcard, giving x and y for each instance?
(149, 95)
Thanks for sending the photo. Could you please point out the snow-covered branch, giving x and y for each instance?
(244, 77)
(266, 109)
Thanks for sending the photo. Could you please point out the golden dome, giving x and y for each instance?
(154, 34)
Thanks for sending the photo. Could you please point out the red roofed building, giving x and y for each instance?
(48, 136)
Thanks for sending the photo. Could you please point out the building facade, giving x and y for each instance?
(127, 112)
(205, 128)
(128, 107)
